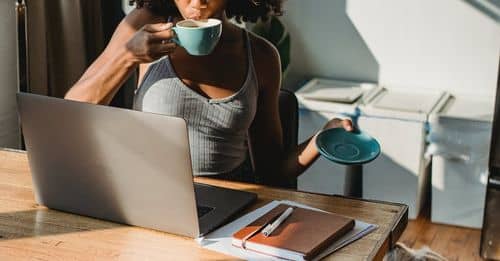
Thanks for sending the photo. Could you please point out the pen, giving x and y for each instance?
(271, 227)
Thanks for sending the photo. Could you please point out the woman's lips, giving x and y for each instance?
(195, 15)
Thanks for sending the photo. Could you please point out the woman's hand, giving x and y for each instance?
(333, 123)
(151, 42)
(339, 123)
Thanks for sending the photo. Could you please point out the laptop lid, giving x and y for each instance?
(120, 165)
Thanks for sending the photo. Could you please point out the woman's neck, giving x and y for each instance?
(230, 31)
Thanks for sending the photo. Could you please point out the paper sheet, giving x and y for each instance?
(220, 239)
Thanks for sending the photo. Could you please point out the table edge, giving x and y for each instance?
(398, 225)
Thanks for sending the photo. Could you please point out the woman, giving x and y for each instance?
(228, 98)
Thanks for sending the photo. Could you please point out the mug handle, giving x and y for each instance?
(175, 39)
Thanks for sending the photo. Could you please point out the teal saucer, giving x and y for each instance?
(349, 148)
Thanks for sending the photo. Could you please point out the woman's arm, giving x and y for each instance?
(265, 133)
(137, 40)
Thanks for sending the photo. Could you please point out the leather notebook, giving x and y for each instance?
(303, 235)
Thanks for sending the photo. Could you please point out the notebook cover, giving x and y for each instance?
(305, 231)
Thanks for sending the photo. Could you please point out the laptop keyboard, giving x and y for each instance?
(203, 210)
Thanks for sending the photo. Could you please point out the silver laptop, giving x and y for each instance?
(120, 165)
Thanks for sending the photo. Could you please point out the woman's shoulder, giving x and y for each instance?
(262, 48)
(266, 60)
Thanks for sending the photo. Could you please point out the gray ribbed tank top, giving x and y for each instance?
(218, 128)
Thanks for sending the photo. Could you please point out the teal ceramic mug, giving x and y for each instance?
(198, 37)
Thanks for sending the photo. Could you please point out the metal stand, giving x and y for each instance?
(353, 185)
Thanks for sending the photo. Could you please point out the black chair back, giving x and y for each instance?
(289, 116)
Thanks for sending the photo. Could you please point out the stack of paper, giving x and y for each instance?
(220, 239)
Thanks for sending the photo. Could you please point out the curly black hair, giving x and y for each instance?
(240, 10)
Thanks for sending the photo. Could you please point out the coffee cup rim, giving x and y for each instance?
(211, 21)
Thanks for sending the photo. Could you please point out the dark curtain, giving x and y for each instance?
(9, 125)
(64, 38)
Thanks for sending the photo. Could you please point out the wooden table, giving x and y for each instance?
(30, 231)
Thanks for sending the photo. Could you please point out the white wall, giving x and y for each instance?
(447, 44)
(9, 126)
(325, 42)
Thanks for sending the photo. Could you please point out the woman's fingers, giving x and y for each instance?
(154, 28)
(158, 50)
(340, 123)
(164, 48)
(347, 125)
(158, 32)
(152, 42)
(165, 35)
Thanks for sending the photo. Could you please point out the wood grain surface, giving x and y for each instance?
(30, 231)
